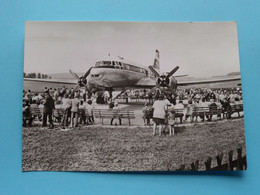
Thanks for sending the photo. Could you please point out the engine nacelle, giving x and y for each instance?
(82, 81)
(167, 84)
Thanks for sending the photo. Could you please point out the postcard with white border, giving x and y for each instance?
(132, 96)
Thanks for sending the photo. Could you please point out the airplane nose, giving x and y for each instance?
(96, 74)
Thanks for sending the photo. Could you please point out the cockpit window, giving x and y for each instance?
(106, 62)
(103, 63)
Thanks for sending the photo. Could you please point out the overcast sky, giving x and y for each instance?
(200, 49)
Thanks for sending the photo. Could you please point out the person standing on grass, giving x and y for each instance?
(55, 95)
(171, 119)
(74, 111)
(89, 108)
(27, 117)
(146, 114)
(116, 113)
(66, 106)
(48, 106)
(159, 114)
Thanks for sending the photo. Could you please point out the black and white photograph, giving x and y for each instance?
(132, 96)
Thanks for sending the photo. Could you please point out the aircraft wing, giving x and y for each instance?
(38, 85)
(58, 81)
(212, 80)
(145, 83)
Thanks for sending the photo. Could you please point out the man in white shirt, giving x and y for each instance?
(179, 110)
(159, 113)
(89, 110)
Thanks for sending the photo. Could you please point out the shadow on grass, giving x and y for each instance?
(178, 173)
(235, 174)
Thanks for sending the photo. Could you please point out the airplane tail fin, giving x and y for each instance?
(156, 63)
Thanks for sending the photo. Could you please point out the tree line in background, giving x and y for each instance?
(36, 75)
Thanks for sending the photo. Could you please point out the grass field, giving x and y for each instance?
(127, 149)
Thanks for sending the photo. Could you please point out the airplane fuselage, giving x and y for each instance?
(114, 74)
(107, 78)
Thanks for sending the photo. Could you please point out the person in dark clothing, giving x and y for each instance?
(84, 96)
(172, 99)
(47, 109)
(226, 108)
(157, 94)
(212, 96)
(150, 97)
(111, 104)
(212, 108)
(27, 117)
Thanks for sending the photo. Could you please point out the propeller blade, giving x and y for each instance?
(152, 90)
(74, 74)
(76, 88)
(87, 73)
(154, 71)
(173, 71)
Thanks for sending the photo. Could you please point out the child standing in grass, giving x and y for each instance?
(171, 119)
(146, 114)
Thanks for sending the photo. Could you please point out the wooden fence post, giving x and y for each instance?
(195, 165)
(244, 163)
(239, 159)
(208, 163)
(230, 160)
(219, 160)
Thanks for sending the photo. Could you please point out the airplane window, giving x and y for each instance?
(106, 62)
(113, 63)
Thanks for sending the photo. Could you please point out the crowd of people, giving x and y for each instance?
(161, 108)
(68, 100)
